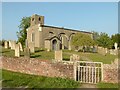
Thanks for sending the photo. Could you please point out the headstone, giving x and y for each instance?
(74, 57)
(9, 43)
(17, 50)
(21, 49)
(26, 52)
(58, 55)
(31, 47)
(115, 45)
(6, 44)
(13, 43)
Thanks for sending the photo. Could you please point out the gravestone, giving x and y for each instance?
(26, 52)
(9, 43)
(74, 57)
(17, 50)
(115, 45)
(31, 47)
(58, 55)
(21, 49)
(13, 43)
(6, 44)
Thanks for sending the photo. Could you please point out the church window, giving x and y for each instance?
(39, 18)
(32, 19)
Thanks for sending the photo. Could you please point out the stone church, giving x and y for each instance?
(50, 37)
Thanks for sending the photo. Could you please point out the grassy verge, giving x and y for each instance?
(13, 79)
(107, 85)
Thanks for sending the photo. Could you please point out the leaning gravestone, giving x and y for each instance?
(58, 55)
(26, 52)
(32, 48)
(21, 49)
(17, 50)
(6, 44)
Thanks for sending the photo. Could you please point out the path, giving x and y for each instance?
(90, 86)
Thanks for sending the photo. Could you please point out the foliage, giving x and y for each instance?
(2, 42)
(116, 38)
(22, 33)
(80, 39)
(12, 80)
(104, 40)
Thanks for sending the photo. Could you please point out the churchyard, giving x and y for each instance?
(65, 68)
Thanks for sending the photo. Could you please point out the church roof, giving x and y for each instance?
(65, 28)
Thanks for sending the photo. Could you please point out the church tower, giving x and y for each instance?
(37, 19)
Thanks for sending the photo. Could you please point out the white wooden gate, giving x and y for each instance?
(89, 72)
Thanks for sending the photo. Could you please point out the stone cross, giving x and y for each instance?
(17, 50)
(115, 45)
(6, 44)
(58, 55)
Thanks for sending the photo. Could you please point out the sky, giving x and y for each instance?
(83, 16)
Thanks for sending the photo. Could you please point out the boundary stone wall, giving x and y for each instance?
(37, 67)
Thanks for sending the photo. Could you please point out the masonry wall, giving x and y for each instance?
(110, 72)
(37, 67)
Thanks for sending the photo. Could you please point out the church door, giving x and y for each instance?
(54, 44)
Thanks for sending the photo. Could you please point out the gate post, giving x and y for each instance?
(75, 70)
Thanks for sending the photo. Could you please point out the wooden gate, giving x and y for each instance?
(89, 72)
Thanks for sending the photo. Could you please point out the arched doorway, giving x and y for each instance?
(54, 44)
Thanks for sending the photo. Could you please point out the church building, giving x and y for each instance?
(50, 37)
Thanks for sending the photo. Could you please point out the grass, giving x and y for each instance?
(43, 54)
(15, 79)
(107, 85)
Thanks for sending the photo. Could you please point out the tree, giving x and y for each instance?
(104, 40)
(22, 33)
(116, 38)
(80, 39)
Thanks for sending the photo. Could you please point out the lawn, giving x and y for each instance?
(107, 85)
(15, 79)
(43, 54)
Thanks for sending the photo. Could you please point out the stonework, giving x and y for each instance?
(9, 44)
(37, 67)
(58, 55)
(6, 44)
(31, 47)
(17, 50)
(74, 57)
(110, 72)
(50, 37)
(113, 52)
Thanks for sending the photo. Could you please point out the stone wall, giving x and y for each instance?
(110, 72)
(37, 67)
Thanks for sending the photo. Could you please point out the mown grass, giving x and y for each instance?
(107, 85)
(15, 79)
(43, 54)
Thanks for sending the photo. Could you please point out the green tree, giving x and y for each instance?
(104, 40)
(116, 38)
(22, 33)
(80, 39)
